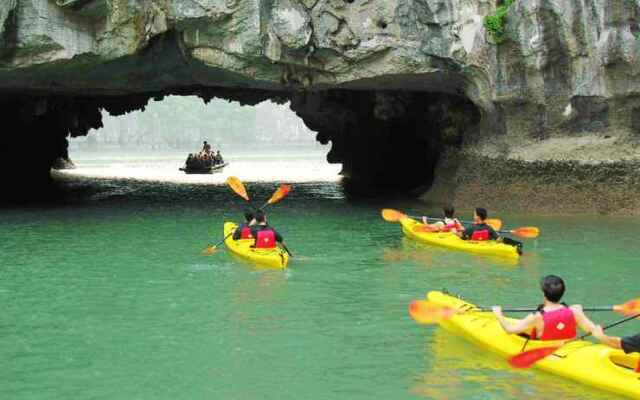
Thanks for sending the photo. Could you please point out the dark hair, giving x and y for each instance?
(449, 211)
(482, 213)
(553, 287)
(248, 215)
(260, 216)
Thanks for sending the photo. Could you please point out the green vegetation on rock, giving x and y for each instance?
(495, 23)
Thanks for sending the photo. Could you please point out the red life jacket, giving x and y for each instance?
(558, 325)
(245, 233)
(265, 239)
(482, 234)
(450, 224)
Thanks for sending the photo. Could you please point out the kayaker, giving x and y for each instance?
(480, 230)
(628, 344)
(266, 237)
(448, 224)
(244, 230)
(553, 320)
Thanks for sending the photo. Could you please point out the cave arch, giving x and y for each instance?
(386, 140)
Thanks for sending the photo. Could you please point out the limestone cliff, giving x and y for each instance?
(392, 84)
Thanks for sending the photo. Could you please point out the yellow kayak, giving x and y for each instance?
(452, 241)
(275, 258)
(582, 361)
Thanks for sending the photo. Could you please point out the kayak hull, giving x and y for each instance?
(582, 361)
(451, 241)
(273, 258)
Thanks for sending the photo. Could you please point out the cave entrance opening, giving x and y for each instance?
(263, 142)
(382, 141)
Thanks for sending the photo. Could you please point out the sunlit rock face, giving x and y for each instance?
(566, 69)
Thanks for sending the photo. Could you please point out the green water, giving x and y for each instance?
(108, 297)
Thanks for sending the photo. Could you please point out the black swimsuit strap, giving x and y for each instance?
(540, 307)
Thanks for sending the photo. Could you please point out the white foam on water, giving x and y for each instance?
(300, 167)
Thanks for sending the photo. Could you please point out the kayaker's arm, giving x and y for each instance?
(610, 341)
(466, 233)
(237, 234)
(583, 322)
(436, 226)
(520, 326)
(493, 235)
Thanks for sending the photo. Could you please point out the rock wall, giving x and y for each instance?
(374, 78)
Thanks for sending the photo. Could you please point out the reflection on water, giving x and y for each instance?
(456, 369)
(424, 254)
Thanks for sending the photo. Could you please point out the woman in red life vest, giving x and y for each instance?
(448, 224)
(244, 230)
(553, 320)
(265, 236)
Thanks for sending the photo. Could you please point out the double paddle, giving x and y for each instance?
(238, 187)
(429, 312)
(530, 232)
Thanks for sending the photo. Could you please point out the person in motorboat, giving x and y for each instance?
(553, 320)
(244, 230)
(265, 236)
(206, 148)
(448, 224)
(189, 161)
(218, 158)
(206, 160)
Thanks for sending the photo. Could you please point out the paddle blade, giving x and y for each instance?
(495, 223)
(529, 232)
(629, 308)
(427, 312)
(209, 250)
(237, 186)
(279, 194)
(391, 215)
(528, 358)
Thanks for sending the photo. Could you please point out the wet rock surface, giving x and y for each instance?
(392, 85)
(548, 187)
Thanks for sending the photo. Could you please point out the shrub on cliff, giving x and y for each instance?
(496, 22)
